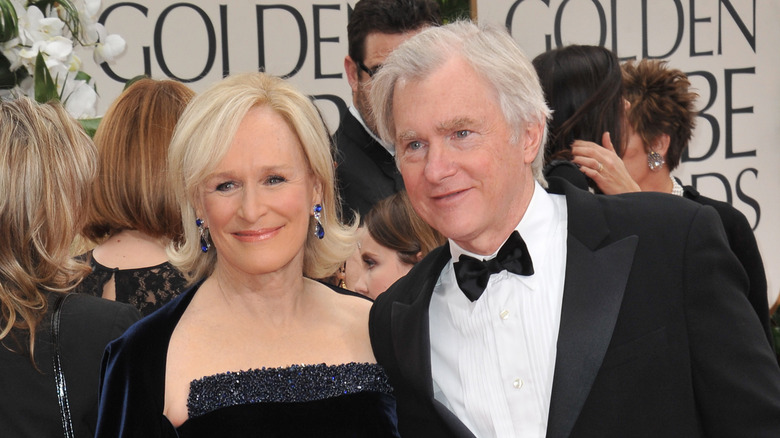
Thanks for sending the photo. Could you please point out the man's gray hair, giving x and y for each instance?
(490, 51)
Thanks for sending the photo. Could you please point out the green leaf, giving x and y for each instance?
(90, 125)
(45, 86)
(82, 76)
(9, 22)
(133, 80)
(452, 10)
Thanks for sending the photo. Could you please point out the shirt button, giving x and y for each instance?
(504, 314)
(518, 383)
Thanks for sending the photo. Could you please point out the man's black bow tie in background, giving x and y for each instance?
(473, 274)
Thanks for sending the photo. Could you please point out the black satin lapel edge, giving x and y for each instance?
(410, 326)
(591, 303)
(411, 342)
(456, 427)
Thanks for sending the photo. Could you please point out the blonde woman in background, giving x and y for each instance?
(47, 163)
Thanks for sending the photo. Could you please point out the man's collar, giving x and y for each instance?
(537, 198)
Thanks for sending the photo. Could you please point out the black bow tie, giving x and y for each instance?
(473, 274)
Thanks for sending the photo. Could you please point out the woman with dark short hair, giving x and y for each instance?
(661, 119)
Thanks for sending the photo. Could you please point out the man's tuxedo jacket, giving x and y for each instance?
(743, 242)
(365, 172)
(656, 336)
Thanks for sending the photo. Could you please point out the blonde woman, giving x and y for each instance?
(254, 347)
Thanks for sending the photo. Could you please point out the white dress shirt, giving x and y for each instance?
(493, 359)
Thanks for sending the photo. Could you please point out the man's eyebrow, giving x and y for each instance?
(454, 124)
(444, 127)
(407, 135)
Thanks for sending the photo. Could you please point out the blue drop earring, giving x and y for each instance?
(204, 235)
(318, 230)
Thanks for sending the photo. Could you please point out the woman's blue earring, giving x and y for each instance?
(204, 235)
(318, 230)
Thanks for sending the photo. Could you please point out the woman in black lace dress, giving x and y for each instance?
(134, 214)
(254, 347)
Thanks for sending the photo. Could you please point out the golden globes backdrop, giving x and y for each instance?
(729, 48)
(731, 52)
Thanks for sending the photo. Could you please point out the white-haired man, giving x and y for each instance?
(584, 319)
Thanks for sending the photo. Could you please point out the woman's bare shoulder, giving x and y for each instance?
(348, 315)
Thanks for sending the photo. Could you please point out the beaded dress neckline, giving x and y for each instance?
(296, 383)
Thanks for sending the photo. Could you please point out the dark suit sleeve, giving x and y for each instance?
(131, 391)
(111, 407)
(379, 332)
(743, 243)
(735, 376)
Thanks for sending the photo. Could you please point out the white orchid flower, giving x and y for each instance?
(28, 24)
(10, 50)
(80, 99)
(59, 73)
(75, 63)
(108, 46)
(91, 7)
(29, 53)
(88, 18)
(89, 33)
(51, 26)
(59, 48)
(43, 29)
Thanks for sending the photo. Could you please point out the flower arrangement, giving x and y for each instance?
(37, 58)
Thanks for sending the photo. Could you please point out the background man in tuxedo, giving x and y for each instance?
(365, 168)
(629, 317)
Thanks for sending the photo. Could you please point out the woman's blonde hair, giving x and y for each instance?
(131, 191)
(204, 135)
(48, 163)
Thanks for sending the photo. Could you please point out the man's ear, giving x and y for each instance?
(532, 140)
(351, 68)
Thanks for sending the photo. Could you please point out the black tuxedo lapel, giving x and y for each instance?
(411, 337)
(596, 275)
(411, 340)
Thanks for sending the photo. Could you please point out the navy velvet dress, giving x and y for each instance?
(348, 400)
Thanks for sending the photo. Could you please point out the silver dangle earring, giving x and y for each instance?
(204, 235)
(655, 161)
(318, 230)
